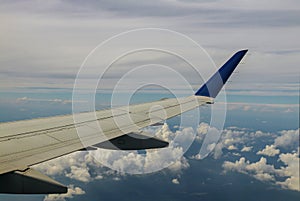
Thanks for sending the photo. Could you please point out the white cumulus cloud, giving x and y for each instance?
(269, 150)
(291, 170)
(175, 181)
(153, 160)
(288, 139)
(232, 147)
(79, 173)
(63, 197)
(246, 149)
(268, 173)
(87, 166)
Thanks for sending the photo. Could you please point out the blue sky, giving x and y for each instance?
(43, 45)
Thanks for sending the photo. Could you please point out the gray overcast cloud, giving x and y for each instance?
(50, 39)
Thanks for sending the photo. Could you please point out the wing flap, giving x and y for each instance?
(29, 181)
(133, 141)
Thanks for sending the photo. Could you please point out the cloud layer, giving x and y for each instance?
(85, 167)
(45, 43)
(286, 176)
(72, 191)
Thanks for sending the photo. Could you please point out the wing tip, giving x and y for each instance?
(213, 86)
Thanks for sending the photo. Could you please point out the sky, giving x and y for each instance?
(44, 44)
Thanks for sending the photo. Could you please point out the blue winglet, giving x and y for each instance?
(212, 87)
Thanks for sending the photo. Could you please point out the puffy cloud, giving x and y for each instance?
(179, 165)
(232, 147)
(246, 149)
(231, 137)
(236, 154)
(260, 134)
(62, 197)
(185, 137)
(291, 170)
(62, 164)
(269, 150)
(87, 166)
(202, 130)
(152, 160)
(288, 174)
(264, 177)
(165, 133)
(239, 165)
(288, 139)
(260, 170)
(175, 181)
(79, 173)
(218, 151)
(265, 172)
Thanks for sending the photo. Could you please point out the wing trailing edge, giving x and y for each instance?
(133, 141)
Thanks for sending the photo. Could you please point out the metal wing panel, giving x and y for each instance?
(25, 143)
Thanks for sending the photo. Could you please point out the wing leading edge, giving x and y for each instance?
(30, 142)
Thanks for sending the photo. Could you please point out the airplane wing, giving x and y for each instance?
(29, 142)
